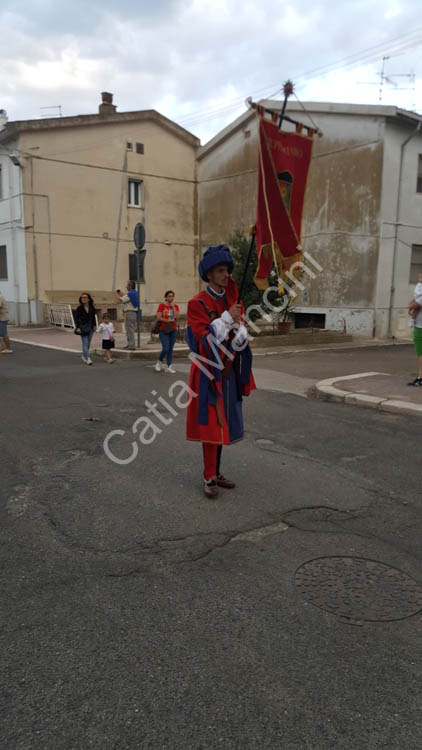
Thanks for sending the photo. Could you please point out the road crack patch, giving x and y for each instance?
(311, 514)
(18, 504)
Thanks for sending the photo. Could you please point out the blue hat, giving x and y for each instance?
(215, 255)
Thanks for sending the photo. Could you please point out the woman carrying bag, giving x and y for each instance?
(167, 316)
(85, 324)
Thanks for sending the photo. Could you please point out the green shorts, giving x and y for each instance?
(417, 340)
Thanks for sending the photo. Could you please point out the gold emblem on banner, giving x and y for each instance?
(284, 265)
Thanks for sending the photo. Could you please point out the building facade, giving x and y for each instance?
(362, 218)
(13, 269)
(73, 190)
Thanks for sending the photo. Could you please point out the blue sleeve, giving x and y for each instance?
(134, 297)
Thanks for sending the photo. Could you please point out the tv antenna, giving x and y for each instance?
(389, 79)
(57, 107)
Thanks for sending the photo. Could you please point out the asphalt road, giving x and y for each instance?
(397, 359)
(138, 614)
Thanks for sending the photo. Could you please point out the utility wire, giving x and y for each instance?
(397, 44)
(130, 173)
(403, 41)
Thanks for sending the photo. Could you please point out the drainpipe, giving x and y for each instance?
(34, 242)
(396, 228)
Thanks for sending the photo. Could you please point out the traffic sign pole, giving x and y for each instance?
(140, 252)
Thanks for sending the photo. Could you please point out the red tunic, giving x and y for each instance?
(217, 429)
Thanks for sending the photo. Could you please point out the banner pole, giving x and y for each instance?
(288, 89)
(248, 259)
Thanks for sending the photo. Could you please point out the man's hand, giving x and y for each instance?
(413, 308)
(236, 312)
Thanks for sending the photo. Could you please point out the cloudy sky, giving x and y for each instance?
(197, 60)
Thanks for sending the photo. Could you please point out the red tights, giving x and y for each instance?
(212, 458)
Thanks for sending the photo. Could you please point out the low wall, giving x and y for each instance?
(356, 321)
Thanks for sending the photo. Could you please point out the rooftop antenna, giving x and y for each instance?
(412, 81)
(389, 80)
(58, 107)
(379, 83)
(382, 77)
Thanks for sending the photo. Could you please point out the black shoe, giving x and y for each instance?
(416, 381)
(222, 481)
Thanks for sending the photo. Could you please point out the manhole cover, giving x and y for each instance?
(359, 589)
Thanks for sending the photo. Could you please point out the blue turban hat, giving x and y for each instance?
(215, 255)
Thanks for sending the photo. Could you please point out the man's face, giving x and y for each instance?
(419, 278)
(219, 275)
(128, 286)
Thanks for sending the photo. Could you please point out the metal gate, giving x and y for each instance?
(61, 315)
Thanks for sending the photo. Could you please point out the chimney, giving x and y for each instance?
(3, 119)
(107, 107)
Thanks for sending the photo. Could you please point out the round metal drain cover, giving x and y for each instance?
(359, 589)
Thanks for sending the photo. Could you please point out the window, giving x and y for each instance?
(415, 263)
(3, 263)
(129, 146)
(133, 269)
(309, 320)
(139, 148)
(112, 313)
(419, 180)
(134, 193)
(1, 185)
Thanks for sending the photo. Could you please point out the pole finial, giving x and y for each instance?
(288, 88)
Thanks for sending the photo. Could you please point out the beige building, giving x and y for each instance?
(362, 218)
(73, 190)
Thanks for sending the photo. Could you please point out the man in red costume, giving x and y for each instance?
(221, 365)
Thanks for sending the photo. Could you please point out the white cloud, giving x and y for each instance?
(196, 60)
(393, 11)
(70, 71)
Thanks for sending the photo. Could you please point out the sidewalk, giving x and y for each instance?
(373, 390)
(65, 340)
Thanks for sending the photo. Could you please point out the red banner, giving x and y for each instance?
(283, 169)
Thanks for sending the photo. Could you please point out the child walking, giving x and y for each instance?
(107, 330)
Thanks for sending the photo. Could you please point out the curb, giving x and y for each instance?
(184, 350)
(121, 353)
(149, 354)
(44, 346)
(325, 390)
